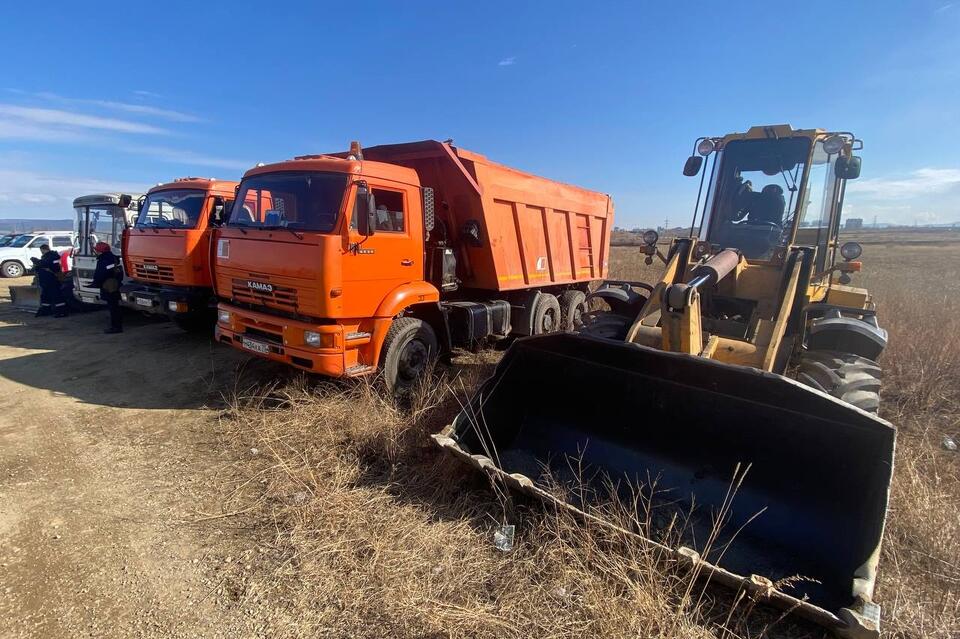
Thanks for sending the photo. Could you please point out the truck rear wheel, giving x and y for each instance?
(12, 269)
(546, 315)
(408, 350)
(572, 307)
(848, 377)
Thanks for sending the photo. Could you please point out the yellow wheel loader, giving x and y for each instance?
(751, 359)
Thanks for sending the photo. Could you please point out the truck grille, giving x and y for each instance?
(153, 272)
(280, 297)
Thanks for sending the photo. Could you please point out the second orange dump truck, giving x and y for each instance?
(167, 252)
(379, 259)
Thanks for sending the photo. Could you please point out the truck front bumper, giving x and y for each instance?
(334, 353)
(174, 301)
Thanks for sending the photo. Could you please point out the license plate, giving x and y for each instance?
(144, 301)
(255, 346)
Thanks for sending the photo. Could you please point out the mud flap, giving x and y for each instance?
(813, 502)
(25, 298)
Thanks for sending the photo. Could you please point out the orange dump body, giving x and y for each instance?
(455, 229)
(167, 253)
(541, 231)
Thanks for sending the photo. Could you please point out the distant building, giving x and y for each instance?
(853, 224)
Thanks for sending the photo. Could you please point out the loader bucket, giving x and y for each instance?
(25, 298)
(816, 488)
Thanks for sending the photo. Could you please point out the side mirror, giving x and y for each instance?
(692, 166)
(847, 168)
(365, 210)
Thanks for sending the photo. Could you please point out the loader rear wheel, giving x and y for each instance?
(12, 269)
(546, 315)
(848, 377)
(408, 350)
(573, 304)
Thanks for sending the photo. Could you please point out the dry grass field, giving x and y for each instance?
(378, 535)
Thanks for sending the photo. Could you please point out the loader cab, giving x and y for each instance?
(773, 188)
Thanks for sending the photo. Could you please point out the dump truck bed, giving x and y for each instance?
(533, 231)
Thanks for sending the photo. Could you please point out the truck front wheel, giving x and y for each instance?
(408, 350)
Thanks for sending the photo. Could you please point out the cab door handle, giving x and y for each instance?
(406, 262)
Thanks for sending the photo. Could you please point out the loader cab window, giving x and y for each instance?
(817, 209)
(172, 209)
(296, 200)
(754, 198)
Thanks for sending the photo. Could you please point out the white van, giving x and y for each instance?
(15, 257)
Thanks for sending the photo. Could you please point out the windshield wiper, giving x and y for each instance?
(278, 227)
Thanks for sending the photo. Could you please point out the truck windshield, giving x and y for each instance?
(297, 200)
(755, 197)
(172, 209)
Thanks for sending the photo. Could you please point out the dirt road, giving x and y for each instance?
(107, 456)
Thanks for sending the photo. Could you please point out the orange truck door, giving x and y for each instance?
(373, 266)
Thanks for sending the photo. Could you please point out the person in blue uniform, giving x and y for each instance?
(48, 272)
(107, 278)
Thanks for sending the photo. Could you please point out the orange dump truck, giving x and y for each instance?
(350, 263)
(167, 252)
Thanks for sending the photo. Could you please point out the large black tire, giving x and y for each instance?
(12, 268)
(546, 315)
(408, 350)
(573, 304)
(606, 324)
(851, 378)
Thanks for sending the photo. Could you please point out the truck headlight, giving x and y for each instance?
(311, 338)
(223, 317)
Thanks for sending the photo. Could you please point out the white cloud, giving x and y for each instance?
(24, 193)
(925, 181)
(147, 94)
(69, 119)
(187, 158)
(139, 109)
(942, 8)
(19, 130)
(507, 62)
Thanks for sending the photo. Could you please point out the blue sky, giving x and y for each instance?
(102, 96)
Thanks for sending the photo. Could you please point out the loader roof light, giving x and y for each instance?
(851, 250)
(706, 147)
(650, 237)
(834, 144)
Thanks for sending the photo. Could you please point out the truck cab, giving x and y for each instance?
(349, 263)
(101, 217)
(167, 251)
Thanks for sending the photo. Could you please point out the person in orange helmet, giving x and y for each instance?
(107, 277)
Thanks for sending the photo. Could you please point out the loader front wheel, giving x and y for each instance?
(546, 315)
(606, 324)
(848, 377)
(572, 307)
(408, 350)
